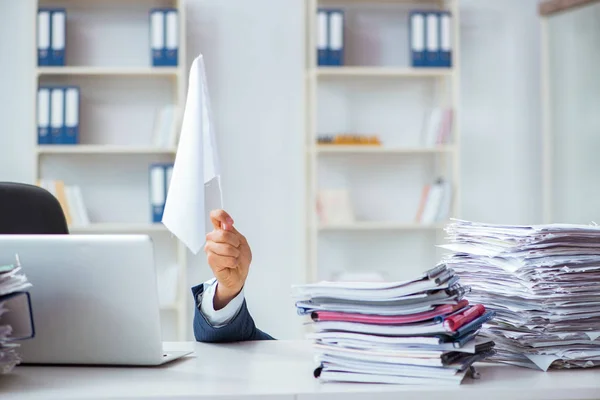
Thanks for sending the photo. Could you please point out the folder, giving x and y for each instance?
(43, 37)
(171, 37)
(19, 315)
(71, 115)
(417, 38)
(57, 114)
(336, 37)
(385, 319)
(157, 191)
(445, 56)
(157, 37)
(432, 40)
(58, 36)
(322, 37)
(168, 175)
(43, 116)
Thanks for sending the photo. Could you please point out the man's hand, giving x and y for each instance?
(229, 257)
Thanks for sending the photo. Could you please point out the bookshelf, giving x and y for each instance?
(376, 91)
(107, 55)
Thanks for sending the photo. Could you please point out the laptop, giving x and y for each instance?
(94, 299)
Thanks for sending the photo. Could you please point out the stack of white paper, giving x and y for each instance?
(394, 332)
(12, 281)
(543, 282)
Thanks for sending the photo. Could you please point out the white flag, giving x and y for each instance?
(195, 187)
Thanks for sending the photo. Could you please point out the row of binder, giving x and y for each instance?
(160, 178)
(58, 114)
(71, 200)
(164, 36)
(51, 36)
(430, 39)
(330, 37)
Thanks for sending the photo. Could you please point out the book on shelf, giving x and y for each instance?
(166, 128)
(70, 199)
(430, 38)
(164, 37)
(437, 127)
(436, 202)
(334, 207)
(58, 114)
(330, 37)
(51, 36)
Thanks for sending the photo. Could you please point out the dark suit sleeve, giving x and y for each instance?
(240, 329)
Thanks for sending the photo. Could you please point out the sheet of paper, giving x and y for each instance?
(195, 188)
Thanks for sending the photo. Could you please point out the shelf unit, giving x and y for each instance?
(445, 157)
(130, 153)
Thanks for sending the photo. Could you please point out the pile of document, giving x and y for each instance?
(419, 331)
(13, 299)
(543, 282)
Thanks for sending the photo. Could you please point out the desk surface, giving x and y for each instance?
(275, 370)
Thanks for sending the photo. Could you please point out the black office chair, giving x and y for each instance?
(29, 209)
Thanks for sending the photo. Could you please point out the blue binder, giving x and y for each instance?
(58, 37)
(43, 116)
(322, 37)
(43, 36)
(171, 29)
(432, 39)
(157, 37)
(445, 55)
(417, 38)
(157, 191)
(336, 37)
(20, 317)
(57, 114)
(71, 110)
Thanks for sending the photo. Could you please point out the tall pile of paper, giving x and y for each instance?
(419, 331)
(542, 281)
(13, 299)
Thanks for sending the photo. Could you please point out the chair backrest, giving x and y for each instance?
(29, 209)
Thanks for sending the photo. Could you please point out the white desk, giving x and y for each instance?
(274, 370)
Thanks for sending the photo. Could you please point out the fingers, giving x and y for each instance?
(222, 249)
(227, 237)
(218, 262)
(221, 220)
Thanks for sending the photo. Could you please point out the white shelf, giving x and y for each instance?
(101, 149)
(335, 149)
(381, 72)
(118, 228)
(378, 225)
(109, 71)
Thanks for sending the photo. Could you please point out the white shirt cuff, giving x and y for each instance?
(219, 318)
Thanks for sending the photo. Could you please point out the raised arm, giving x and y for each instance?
(221, 314)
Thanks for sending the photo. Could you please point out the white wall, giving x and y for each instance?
(575, 121)
(254, 53)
